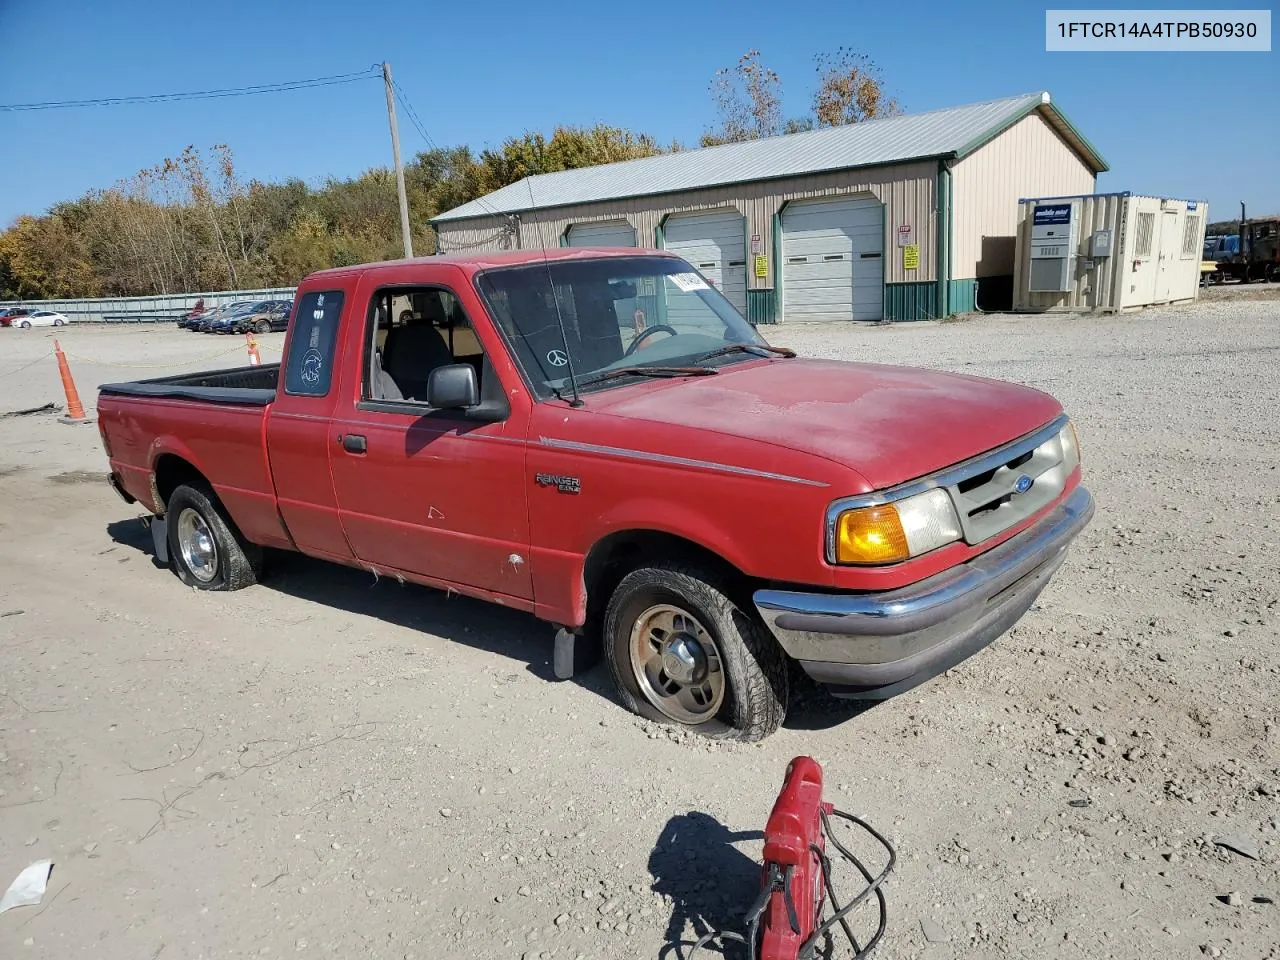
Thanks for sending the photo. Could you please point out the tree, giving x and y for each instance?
(850, 90)
(748, 99)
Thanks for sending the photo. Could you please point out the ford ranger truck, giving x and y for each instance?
(599, 438)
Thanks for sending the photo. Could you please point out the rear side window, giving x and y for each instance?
(309, 368)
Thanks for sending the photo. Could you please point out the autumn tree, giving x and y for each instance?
(850, 90)
(748, 99)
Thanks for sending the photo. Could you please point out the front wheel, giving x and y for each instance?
(682, 651)
(206, 550)
(25, 325)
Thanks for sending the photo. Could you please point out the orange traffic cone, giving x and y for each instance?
(252, 346)
(75, 409)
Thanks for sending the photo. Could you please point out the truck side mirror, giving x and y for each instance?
(453, 386)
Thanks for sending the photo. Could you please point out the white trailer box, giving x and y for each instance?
(1107, 251)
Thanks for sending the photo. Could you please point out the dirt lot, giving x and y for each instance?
(325, 765)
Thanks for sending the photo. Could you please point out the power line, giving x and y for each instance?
(196, 94)
(511, 220)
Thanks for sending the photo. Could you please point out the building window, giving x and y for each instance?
(1190, 234)
(1146, 228)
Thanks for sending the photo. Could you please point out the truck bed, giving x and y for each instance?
(246, 386)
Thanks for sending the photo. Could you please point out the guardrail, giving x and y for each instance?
(155, 309)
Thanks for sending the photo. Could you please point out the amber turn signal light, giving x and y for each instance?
(871, 535)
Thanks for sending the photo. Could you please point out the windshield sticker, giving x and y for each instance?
(688, 282)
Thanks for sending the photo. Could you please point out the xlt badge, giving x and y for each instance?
(563, 484)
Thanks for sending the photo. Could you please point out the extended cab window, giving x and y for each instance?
(309, 367)
(414, 331)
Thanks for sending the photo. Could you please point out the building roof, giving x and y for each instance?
(953, 132)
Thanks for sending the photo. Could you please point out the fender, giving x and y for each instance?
(169, 445)
(560, 577)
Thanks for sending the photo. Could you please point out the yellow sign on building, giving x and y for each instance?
(911, 256)
(762, 266)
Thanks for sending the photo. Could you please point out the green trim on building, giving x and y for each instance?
(911, 301)
(659, 238)
(962, 296)
(943, 224)
(762, 307)
(775, 252)
(1094, 158)
(564, 238)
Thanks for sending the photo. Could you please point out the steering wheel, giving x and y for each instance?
(645, 334)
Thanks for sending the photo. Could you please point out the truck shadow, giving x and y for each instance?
(708, 880)
(485, 626)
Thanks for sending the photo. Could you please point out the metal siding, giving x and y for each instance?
(1030, 159)
(911, 301)
(909, 193)
(890, 140)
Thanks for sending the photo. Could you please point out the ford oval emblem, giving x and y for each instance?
(1023, 484)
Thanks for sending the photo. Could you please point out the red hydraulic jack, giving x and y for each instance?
(787, 921)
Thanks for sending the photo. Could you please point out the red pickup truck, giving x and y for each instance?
(598, 438)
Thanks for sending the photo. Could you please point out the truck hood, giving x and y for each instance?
(888, 423)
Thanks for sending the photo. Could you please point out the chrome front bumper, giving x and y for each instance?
(876, 645)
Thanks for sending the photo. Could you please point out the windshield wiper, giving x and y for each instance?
(747, 348)
(649, 372)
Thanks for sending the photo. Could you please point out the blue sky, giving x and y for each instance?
(1175, 124)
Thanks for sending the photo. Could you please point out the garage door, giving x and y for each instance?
(613, 233)
(716, 244)
(833, 259)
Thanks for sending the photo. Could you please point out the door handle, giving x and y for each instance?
(354, 443)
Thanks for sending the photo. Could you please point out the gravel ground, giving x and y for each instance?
(330, 766)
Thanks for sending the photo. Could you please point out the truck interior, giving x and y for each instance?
(415, 331)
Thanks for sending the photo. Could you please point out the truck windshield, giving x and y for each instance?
(616, 312)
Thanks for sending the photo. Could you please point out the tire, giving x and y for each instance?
(755, 679)
(25, 325)
(262, 326)
(195, 513)
(57, 323)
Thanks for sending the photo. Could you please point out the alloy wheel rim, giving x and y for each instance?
(677, 664)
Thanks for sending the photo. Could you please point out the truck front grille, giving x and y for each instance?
(989, 501)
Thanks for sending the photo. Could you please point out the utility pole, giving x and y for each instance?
(395, 154)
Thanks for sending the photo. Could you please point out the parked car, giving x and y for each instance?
(9, 316)
(598, 438)
(41, 318)
(196, 312)
(204, 324)
(273, 316)
(232, 321)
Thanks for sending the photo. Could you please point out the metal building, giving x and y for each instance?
(1107, 251)
(902, 218)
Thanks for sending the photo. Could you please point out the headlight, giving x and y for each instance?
(1070, 449)
(891, 532)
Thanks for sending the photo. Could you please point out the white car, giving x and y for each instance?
(41, 318)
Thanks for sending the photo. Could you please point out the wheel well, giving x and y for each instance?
(171, 471)
(613, 557)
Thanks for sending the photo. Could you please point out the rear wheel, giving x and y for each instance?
(682, 651)
(57, 323)
(206, 550)
(262, 326)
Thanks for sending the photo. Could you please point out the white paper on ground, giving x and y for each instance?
(28, 889)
